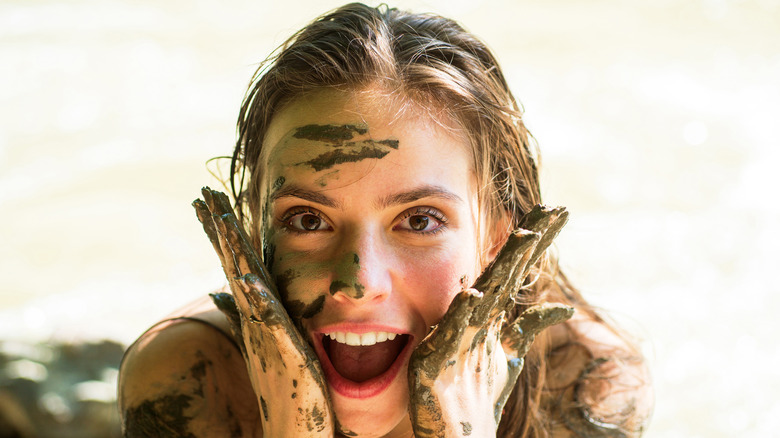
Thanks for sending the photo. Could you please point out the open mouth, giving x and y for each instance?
(360, 365)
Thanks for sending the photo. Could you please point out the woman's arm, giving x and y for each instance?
(184, 378)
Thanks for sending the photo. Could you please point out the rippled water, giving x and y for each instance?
(656, 121)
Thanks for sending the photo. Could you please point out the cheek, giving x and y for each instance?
(433, 284)
(302, 283)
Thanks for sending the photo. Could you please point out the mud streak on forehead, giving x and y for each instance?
(333, 144)
(330, 133)
(351, 152)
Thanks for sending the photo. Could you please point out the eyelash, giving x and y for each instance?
(290, 214)
(415, 211)
(426, 211)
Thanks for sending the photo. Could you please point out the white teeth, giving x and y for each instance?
(364, 339)
(368, 338)
(353, 339)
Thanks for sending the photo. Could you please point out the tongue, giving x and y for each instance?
(358, 363)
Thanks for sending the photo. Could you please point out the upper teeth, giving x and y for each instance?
(364, 339)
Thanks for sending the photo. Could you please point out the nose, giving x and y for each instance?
(362, 274)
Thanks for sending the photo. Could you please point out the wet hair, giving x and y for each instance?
(432, 62)
(425, 58)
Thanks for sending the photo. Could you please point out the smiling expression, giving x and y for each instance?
(371, 222)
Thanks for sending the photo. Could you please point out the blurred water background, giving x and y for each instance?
(657, 122)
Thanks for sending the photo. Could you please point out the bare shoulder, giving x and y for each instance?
(186, 378)
(597, 382)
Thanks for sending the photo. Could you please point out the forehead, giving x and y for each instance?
(333, 136)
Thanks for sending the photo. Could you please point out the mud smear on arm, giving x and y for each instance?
(170, 415)
(163, 417)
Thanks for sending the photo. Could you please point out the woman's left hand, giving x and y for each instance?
(462, 373)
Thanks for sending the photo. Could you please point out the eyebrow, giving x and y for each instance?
(425, 191)
(294, 191)
(406, 197)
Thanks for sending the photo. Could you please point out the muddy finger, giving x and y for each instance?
(518, 336)
(255, 298)
(243, 251)
(547, 221)
(224, 225)
(442, 342)
(507, 261)
(267, 315)
(219, 205)
(224, 251)
(226, 303)
(486, 309)
(504, 277)
(204, 216)
(267, 309)
(218, 241)
(217, 201)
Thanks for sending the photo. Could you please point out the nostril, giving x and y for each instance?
(337, 286)
(353, 290)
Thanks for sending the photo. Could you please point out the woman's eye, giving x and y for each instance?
(307, 222)
(422, 222)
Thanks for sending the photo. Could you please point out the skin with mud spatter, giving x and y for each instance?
(474, 323)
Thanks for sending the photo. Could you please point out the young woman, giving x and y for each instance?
(381, 168)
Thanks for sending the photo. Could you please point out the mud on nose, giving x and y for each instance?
(354, 290)
(346, 277)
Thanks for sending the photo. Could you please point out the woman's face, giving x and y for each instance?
(371, 223)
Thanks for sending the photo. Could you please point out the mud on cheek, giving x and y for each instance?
(300, 305)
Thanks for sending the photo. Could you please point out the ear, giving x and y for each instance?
(496, 233)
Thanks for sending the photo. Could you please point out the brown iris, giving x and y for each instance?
(310, 222)
(418, 222)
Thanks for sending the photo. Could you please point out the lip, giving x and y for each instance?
(373, 386)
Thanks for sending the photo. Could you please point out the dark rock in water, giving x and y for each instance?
(59, 390)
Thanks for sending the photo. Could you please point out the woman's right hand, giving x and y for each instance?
(285, 373)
